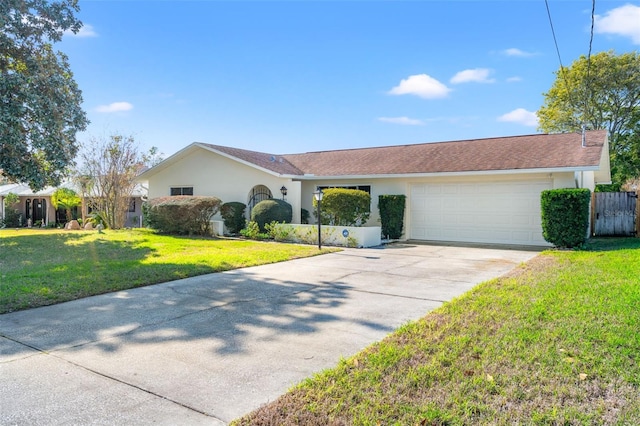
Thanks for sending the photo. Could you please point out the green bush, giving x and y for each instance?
(183, 214)
(252, 231)
(267, 211)
(12, 219)
(233, 216)
(344, 207)
(146, 209)
(612, 187)
(565, 216)
(392, 215)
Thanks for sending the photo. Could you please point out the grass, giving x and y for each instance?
(556, 342)
(43, 267)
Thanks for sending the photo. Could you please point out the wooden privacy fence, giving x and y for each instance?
(614, 214)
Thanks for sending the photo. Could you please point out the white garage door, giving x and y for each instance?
(490, 212)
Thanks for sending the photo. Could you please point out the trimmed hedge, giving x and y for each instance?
(392, 215)
(182, 214)
(233, 216)
(565, 216)
(344, 207)
(272, 210)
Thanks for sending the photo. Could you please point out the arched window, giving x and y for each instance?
(257, 194)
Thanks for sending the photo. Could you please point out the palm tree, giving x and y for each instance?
(67, 199)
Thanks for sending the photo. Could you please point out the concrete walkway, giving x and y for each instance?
(208, 349)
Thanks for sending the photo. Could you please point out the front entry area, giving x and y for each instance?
(488, 212)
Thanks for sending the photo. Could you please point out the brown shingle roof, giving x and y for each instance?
(540, 151)
(507, 153)
(275, 163)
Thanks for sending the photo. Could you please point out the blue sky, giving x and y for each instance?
(296, 76)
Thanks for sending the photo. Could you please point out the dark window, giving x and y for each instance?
(132, 204)
(182, 190)
(365, 188)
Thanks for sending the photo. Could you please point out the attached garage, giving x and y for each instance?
(487, 212)
(478, 190)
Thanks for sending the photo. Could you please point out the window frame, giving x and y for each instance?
(175, 191)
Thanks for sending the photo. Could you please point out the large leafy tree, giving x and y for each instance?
(40, 110)
(600, 92)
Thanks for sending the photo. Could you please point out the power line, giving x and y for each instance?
(562, 68)
(553, 32)
(555, 41)
(587, 89)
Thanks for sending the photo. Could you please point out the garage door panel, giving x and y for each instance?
(501, 212)
(521, 220)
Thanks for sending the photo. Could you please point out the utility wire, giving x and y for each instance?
(587, 89)
(563, 73)
(553, 32)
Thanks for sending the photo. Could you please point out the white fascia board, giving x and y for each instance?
(448, 174)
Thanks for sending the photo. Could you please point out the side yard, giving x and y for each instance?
(43, 267)
(554, 342)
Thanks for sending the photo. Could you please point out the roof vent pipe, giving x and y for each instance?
(584, 136)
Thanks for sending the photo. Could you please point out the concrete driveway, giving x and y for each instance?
(208, 349)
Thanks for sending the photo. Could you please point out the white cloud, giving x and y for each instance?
(623, 20)
(477, 75)
(517, 52)
(421, 85)
(520, 116)
(402, 120)
(514, 79)
(86, 31)
(115, 107)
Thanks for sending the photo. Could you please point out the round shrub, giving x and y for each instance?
(233, 216)
(271, 210)
(344, 207)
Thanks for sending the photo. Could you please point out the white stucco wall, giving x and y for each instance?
(213, 175)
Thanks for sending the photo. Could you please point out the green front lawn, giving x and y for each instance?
(556, 342)
(43, 267)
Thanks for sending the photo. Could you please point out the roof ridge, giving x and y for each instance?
(495, 138)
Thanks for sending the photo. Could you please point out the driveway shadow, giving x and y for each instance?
(224, 308)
